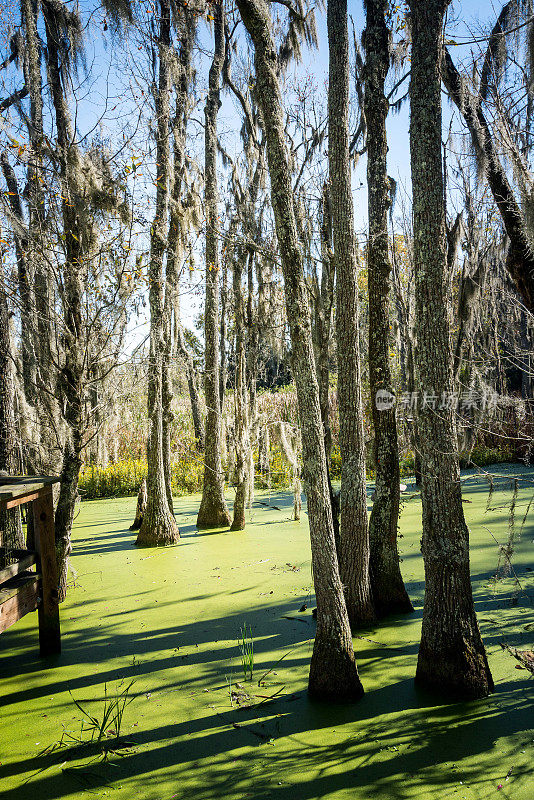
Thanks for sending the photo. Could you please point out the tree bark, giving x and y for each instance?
(520, 258)
(213, 512)
(42, 335)
(11, 536)
(333, 673)
(353, 549)
(159, 526)
(241, 432)
(25, 281)
(388, 591)
(452, 658)
(141, 507)
(176, 228)
(72, 375)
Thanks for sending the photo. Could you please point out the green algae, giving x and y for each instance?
(170, 621)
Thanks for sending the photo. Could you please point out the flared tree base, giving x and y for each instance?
(390, 595)
(157, 530)
(213, 515)
(387, 586)
(392, 604)
(361, 612)
(238, 522)
(333, 675)
(457, 673)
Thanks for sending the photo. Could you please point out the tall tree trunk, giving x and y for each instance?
(520, 257)
(253, 322)
(353, 549)
(242, 443)
(323, 318)
(171, 286)
(192, 376)
(25, 281)
(213, 512)
(223, 374)
(42, 334)
(452, 658)
(11, 536)
(176, 232)
(159, 526)
(323, 335)
(333, 673)
(72, 376)
(389, 593)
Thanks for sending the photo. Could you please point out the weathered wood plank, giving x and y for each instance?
(43, 520)
(18, 599)
(16, 488)
(24, 559)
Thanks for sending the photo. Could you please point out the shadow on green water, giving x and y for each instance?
(179, 645)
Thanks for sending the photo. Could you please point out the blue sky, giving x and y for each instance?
(108, 87)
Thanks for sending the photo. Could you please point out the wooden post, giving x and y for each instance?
(48, 611)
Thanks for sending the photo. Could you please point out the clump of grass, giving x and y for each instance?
(100, 734)
(246, 645)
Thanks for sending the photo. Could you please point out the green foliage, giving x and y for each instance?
(124, 478)
(482, 456)
(115, 480)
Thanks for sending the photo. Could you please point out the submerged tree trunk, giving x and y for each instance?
(159, 526)
(353, 549)
(387, 586)
(333, 673)
(213, 512)
(452, 658)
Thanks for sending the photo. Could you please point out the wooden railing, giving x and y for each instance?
(21, 589)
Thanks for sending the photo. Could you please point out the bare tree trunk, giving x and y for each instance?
(176, 235)
(213, 512)
(141, 507)
(389, 593)
(192, 377)
(322, 331)
(242, 443)
(11, 536)
(253, 340)
(223, 373)
(25, 281)
(72, 374)
(42, 335)
(452, 658)
(171, 287)
(159, 526)
(333, 673)
(353, 549)
(324, 318)
(520, 258)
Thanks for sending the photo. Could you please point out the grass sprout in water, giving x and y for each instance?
(100, 734)
(246, 645)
